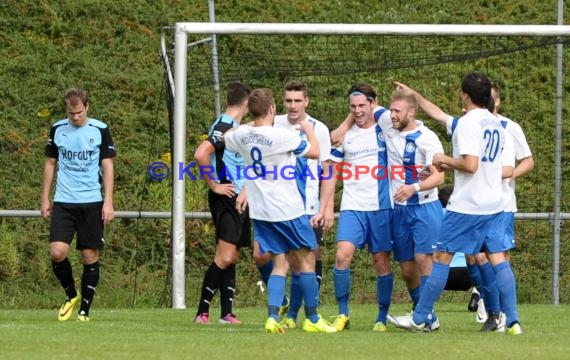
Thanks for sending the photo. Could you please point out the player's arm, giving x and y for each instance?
(107, 167)
(241, 200)
(432, 110)
(49, 174)
(434, 179)
(465, 163)
(337, 135)
(525, 166)
(328, 185)
(203, 154)
(313, 152)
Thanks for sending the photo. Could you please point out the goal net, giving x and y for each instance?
(329, 59)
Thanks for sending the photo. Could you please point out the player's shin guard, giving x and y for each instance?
(431, 291)
(341, 279)
(508, 291)
(295, 296)
(210, 285)
(276, 292)
(490, 288)
(64, 274)
(384, 286)
(310, 289)
(227, 289)
(89, 282)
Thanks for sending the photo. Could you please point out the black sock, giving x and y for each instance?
(319, 272)
(227, 289)
(89, 282)
(64, 274)
(209, 287)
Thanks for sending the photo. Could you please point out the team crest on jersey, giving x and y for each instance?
(410, 147)
(381, 136)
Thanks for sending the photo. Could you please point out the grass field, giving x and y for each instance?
(170, 334)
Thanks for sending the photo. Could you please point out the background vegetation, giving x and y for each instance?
(111, 49)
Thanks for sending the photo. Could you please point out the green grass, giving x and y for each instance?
(170, 334)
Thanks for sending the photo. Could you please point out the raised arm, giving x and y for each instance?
(432, 110)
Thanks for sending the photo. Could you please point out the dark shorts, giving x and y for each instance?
(83, 219)
(458, 279)
(319, 235)
(230, 225)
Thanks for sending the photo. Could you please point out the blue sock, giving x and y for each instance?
(276, 291)
(476, 280)
(265, 271)
(310, 288)
(341, 279)
(508, 290)
(431, 291)
(431, 316)
(490, 288)
(295, 296)
(384, 286)
(415, 295)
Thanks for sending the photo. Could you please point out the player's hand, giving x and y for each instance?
(438, 160)
(424, 174)
(241, 203)
(337, 137)
(107, 214)
(317, 220)
(328, 221)
(224, 189)
(45, 209)
(404, 192)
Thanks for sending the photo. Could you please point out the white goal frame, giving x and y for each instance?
(181, 31)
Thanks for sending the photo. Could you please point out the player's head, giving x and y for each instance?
(444, 194)
(361, 100)
(261, 103)
(477, 87)
(403, 109)
(295, 100)
(76, 105)
(237, 94)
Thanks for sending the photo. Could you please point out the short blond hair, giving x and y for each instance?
(405, 95)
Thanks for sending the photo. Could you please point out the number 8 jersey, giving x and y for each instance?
(479, 133)
(269, 153)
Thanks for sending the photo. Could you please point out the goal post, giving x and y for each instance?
(183, 29)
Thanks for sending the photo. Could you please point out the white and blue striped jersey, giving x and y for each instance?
(366, 148)
(480, 134)
(521, 151)
(409, 153)
(269, 153)
(79, 151)
(226, 163)
(309, 185)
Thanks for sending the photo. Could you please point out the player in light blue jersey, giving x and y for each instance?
(472, 222)
(279, 217)
(80, 153)
(366, 205)
(225, 191)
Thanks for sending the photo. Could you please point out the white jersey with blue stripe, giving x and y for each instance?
(365, 148)
(225, 162)
(409, 153)
(477, 133)
(521, 151)
(270, 154)
(309, 185)
(79, 151)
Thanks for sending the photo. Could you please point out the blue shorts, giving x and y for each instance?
(280, 237)
(416, 229)
(371, 228)
(471, 234)
(509, 222)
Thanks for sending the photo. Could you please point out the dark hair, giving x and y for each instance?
(444, 194)
(75, 96)
(296, 85)
(260, 101)
(478, 87)
(237, 93)
(363, 89)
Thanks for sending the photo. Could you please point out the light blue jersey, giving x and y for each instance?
(79, 151)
